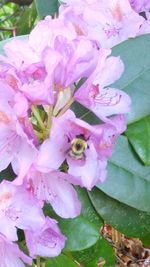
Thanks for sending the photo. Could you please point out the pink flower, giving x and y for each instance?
(110, 131)
(95, 93)
(140, 5)
(18, 208)
(21, 105)
(74, 60)
(11, 255)
(61, 60)
(47, 242)
(78, 59)
(55, 188)
(14, 143)
(46, 31)
(77, 142)
(19, 54)
(105, 21)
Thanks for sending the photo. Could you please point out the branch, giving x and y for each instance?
(19, 2)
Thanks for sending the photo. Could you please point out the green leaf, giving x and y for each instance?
(146, 240)
(7, 174)
(128, 180)
(136, 78)
(26, 22)
(107, 253)
(90, 257)
(60, 261)
(80, 233)
(125, 219)
(138, 134)
(84, 113)
(46, 7)
(88, 211)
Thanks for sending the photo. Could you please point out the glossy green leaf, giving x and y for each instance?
(146, 240)
(46, 7)
(27, 20)
(7, 174)
(128, 180)
(125, 219)
(138, 134)
(91, 256)
(60, 261)
(80, 233)
(136, 78)
(107, 253)
(88, 211)
(83, 113)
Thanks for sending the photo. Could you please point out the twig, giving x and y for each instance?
(7, 29)
(120, 261)
(121, 250)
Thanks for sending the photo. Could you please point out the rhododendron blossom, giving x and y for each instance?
(14, 142)
(95, 93)
(140, 5)
(50, 147)
(80, 144)
(18, 208)
(105, 21)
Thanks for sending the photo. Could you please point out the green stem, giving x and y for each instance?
(38, 262)
(39, 135)
(38, 117)
(49, 121)
(66, 107)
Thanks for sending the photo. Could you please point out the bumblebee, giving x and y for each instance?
(78, 146)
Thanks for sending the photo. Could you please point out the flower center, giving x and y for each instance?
(111, 31)
(78, 146)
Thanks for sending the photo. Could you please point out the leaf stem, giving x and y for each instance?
(38, 117)
(38, 262)
(66, 107)
(49, 121)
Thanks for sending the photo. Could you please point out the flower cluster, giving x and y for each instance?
(63, 61)
(108, 22)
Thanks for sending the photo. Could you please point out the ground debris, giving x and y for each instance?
(130, 252)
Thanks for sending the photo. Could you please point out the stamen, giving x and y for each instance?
(4, 118)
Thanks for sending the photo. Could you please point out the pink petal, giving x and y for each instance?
(103, 75)
(11, 255)
(55, 188)
(111, 101)
(48, 242)
(51, 154)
